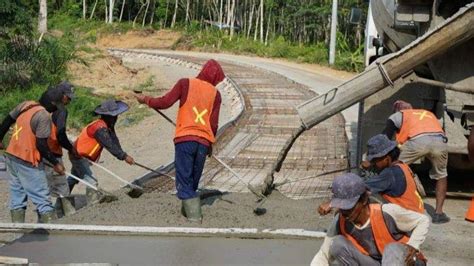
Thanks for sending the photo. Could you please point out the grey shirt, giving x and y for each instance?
(397, 119)
(40, 122)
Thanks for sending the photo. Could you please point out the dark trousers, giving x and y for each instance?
(189, 162)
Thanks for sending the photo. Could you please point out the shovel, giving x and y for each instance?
(135, 191)
(106, 196)
(152, 170)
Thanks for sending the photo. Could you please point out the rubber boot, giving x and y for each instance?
(192, 209)
(64, 206)
(68, 205)
(92, 196)
(183, 212)
(47, 217)
(18, 215)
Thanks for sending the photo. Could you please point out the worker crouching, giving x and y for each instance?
(370, 234)
(93, 138)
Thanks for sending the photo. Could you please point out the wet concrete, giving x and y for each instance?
(140, 250)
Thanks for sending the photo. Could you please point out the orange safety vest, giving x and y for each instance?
(410, 199)
(194, 115)
(86, 145)
(23, 141)
(380, 231)
(416, 122)
(53, 142)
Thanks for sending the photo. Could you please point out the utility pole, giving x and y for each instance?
(332, 41)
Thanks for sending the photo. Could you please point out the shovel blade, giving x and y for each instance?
(135, 192)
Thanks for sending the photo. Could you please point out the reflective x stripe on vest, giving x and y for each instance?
(410, 199)
(382, 235)
(195, 114)
(86, 145)
(23, 141)
(416, 122)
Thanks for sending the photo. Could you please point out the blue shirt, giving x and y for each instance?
(390, 181)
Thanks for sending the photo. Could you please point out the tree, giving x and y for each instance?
(43, 17)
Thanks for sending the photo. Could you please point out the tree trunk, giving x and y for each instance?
(43, 17)
(250, 20)
(121, 10)
(146, 12)
(111, 10)
(221, 15)
(261, 20)
(93, 9)
(187, 11)
(232, 19)
(84, 9)
(138, 14)
(153, 7)
(166, 12)
(256, 26)
(174, 15)
(106, 13)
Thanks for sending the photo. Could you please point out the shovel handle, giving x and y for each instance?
(82, 181)
(111, 173)
(152, 170)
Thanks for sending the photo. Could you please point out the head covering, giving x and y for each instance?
(378, 146)
(347, 189)
(401, 105)
(211, 72)
(111, 108)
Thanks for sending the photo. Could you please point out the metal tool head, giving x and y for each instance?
(135, 192)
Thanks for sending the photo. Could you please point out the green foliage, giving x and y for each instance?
(81, 108)
(25, 62)
(15, 18)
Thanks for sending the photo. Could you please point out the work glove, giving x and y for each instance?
(59, 168)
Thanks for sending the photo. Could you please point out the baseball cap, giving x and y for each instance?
(347, 189)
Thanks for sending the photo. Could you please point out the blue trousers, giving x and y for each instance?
(189, 162)
(28, 182)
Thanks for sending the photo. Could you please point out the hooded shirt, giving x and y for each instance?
(212, 73)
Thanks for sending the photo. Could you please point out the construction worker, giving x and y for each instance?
(28, 146)
(197, 123)
(56, 98)
(370, 234)
(395, 181)
(93, 138)
(420, 135)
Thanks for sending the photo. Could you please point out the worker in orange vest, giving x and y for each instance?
(92, 140)
(56, 98)
(28, 146)
(394, 182)
(470, 147)
(420, 135)
(197, 123)
(370, 234)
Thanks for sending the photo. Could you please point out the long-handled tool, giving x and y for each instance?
(262, 198)
(106, 196)
(257, 210)
(153, 170)
(275, 185)
(134, 192)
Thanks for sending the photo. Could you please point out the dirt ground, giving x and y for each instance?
(149, 141)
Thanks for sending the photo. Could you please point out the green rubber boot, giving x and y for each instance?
(67, 206)
(192, 209)
(92, 196)
(18, 215)
(47, 217)
(183, 212)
